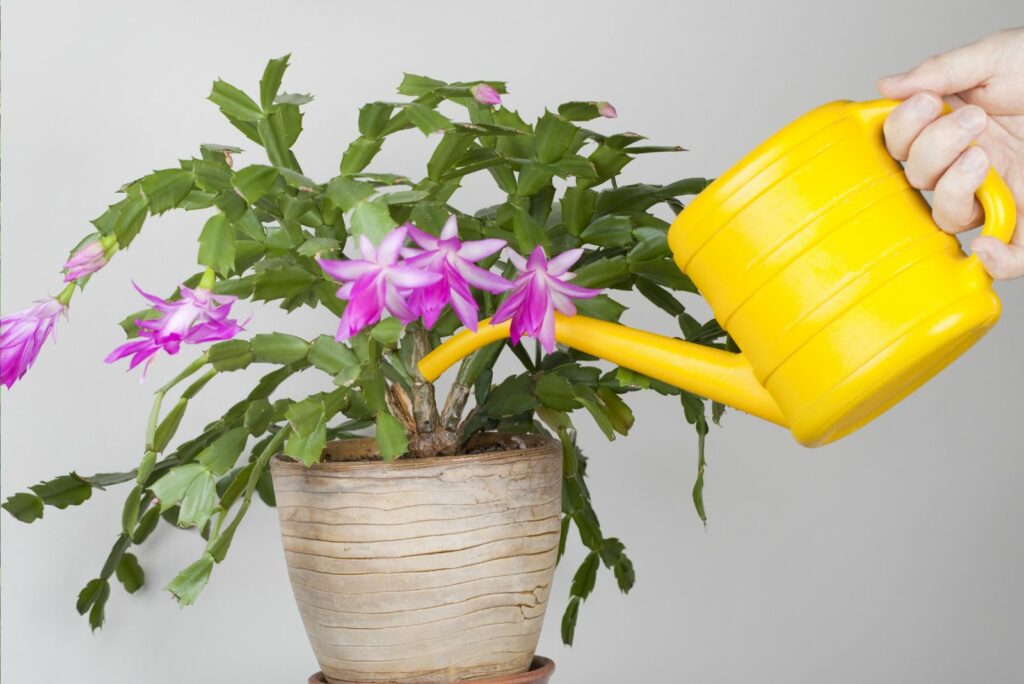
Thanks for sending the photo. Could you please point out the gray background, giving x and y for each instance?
(893, 556)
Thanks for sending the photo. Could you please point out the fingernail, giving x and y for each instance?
(971, 118)
(923, 104)
(974, 159)
(892, 77)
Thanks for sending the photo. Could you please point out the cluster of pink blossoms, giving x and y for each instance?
(198, 316)
(418, 282)
(409, 282)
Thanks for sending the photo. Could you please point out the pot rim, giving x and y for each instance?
(536, 445)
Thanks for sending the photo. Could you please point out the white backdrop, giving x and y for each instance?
(893, 556)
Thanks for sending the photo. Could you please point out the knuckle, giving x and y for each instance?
(952, 216)
(917, 179)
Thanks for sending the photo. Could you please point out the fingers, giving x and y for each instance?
(940, 143)
(951, 72)
(1002, 261)
(954, 206)
(906, 122)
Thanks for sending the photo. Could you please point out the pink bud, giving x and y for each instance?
(606, 110)
(86, 261)
(485, 94)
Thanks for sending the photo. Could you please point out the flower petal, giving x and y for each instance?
(345, 291)
(516, 259)
(161, 304)
(347, 269)
(475, 250)
(546, 334)
(466, 310)
(366, 302)
(367, 249)
(398, 305)
(562, 303)
(410, 277)
(450, 228)
(574, 291)
(391, 246)
(480, 278)
(564, 261)
(512, 303)
(537, 260)
(212, 332)
(421, 237)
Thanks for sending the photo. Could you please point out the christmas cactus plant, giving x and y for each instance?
(403, 267)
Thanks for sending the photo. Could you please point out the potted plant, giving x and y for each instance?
(424, 551)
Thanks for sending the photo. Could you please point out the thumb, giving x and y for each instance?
(1002, 261)
(951, 72)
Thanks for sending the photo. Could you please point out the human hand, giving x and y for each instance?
(984, 84)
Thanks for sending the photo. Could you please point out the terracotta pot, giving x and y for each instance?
(539, 673)
(431, 570)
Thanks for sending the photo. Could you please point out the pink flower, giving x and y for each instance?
(606, 110)
(485, 94)
(23, 334)
(454, 260)
(539, 291)
(376, 282)
(199, 316)
(86, 261)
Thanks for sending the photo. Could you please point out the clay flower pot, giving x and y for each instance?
(430, 570)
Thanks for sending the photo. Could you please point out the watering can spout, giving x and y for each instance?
(719, 375)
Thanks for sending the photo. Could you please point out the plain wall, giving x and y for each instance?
(892, 556)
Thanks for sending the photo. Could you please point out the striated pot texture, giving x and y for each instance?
(429, 570)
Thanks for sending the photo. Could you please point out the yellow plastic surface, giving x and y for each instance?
(825, 266)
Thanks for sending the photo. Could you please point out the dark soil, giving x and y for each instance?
(513, 444)
(488, 444)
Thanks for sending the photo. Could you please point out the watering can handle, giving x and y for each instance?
(999, 206)
(994, 194)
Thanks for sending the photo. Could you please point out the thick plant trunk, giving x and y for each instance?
(430, 433)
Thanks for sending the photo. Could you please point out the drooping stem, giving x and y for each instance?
(154, 413)
(221, 539)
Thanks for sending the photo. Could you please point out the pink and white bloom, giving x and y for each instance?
(23, 334)
(454, 260)
(86, 261)
(539, 291)
(606, 110)
(485, 94)
(199, 316)
(376, 282)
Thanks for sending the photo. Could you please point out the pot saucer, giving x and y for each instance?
(539, 673)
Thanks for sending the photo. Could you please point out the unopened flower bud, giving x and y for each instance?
(86, 261)
(485, 94)
(606, 110)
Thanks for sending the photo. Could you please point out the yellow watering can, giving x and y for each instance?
(825, 266)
